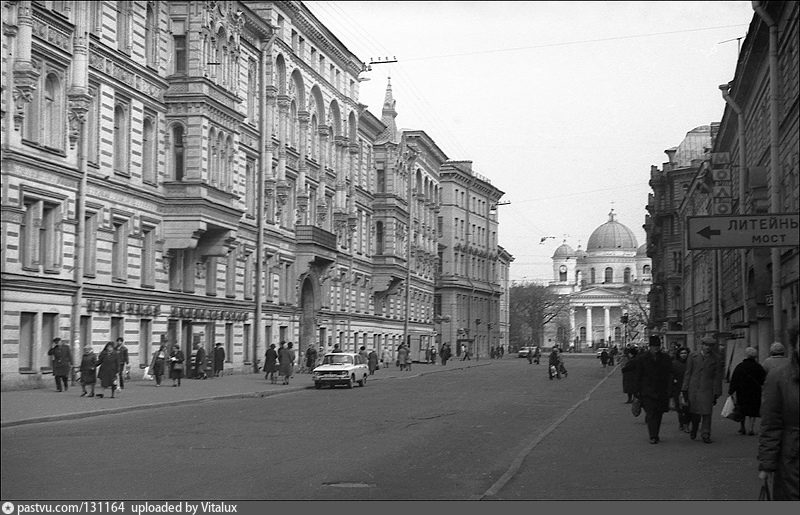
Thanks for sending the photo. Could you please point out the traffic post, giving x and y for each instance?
(742, 231)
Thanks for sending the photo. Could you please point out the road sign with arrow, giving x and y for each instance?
(721, 232)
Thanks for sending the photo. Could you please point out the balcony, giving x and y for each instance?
(200, 216)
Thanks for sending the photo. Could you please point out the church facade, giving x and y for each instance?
(601, 290)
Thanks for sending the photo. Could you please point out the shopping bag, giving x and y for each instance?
(730, 410)
(146, 376)
(636, 407)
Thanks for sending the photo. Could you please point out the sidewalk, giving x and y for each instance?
(46, 404)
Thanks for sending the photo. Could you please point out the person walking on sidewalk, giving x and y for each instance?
(780, 425)
(88, 370)
(108, 361)
(777, 355)
(311, 357)
(124, 362)
(678, 372)
(219, 359)
(630, 376)
(271, 363)
(199, 363)
(62, 363)
(702, 386)
(745, 385)
(654, 374)
(176, 365)
(286, 358)
(157, 364)
(372, 361)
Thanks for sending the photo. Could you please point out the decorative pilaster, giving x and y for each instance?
(26, 76)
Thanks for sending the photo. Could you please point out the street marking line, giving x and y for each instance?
(517, 463)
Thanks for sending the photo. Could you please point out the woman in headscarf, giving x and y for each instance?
(88, 370)
(109, 369)
(746, 381)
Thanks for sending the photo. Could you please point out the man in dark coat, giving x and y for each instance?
(200, 363)
(654, 373)
(122, 356)
(746, 382)
(219, 359)
(702, 386)
(62, 363)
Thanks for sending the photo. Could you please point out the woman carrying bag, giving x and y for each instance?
(176, 359)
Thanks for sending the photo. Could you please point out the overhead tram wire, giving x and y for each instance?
(579, 42)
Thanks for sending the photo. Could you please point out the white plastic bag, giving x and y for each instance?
(146, 376)
(728, 407)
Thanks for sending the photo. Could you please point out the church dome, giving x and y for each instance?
(563, 251)
(612, 235)
(642, 250)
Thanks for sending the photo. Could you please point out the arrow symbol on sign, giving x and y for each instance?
(707, 232)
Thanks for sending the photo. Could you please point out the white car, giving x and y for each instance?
(344, 368)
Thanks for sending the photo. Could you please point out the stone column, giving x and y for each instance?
(589, 326)
(607, 328)
(572, 326)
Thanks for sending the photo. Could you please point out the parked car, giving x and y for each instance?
(342, 368)
(524, 351)
(601, 349)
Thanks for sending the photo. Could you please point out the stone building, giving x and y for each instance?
(473, 267)
(603, 289)
(742, 295)
(201, 172)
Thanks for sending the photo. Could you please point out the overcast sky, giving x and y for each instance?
(562, 105)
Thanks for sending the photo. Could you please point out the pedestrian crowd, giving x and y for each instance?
(690, 383)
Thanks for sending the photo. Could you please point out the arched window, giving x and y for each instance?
(228, 177)
(627, 275)
(562, 273)
(123, 25)
(646, 270)
(148, 152)
(150, 38)
(177, 153)
(51, 113)
(592, 277)
(609, 276)
(583, 334)
(212, 156)
(617, 334)
(379, 238)
(121, 139)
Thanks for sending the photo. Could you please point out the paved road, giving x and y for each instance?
(499, 431)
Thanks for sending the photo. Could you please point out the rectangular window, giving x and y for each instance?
(145, 340)
(27, 339)
(211, 275)
(245, 345)
(179, 49)
(175, 260)
(248, 276)
(229, 340)
(117, 328)
(189, 269)
(119, 252)
(40, 236)
(230, 275)
(90, 245)
(93, 124)
(148, 257)
(50, 330)
(86, 331)
(250, 188)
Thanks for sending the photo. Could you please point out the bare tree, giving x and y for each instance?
(531, 307)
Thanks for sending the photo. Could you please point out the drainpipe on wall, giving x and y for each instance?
(79, 100)
(265, 163)
(775, 252)
(725, 88)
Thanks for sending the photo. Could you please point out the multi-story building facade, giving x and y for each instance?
(745, 296)
(202, 172)
(472, 264)
(665, 231)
